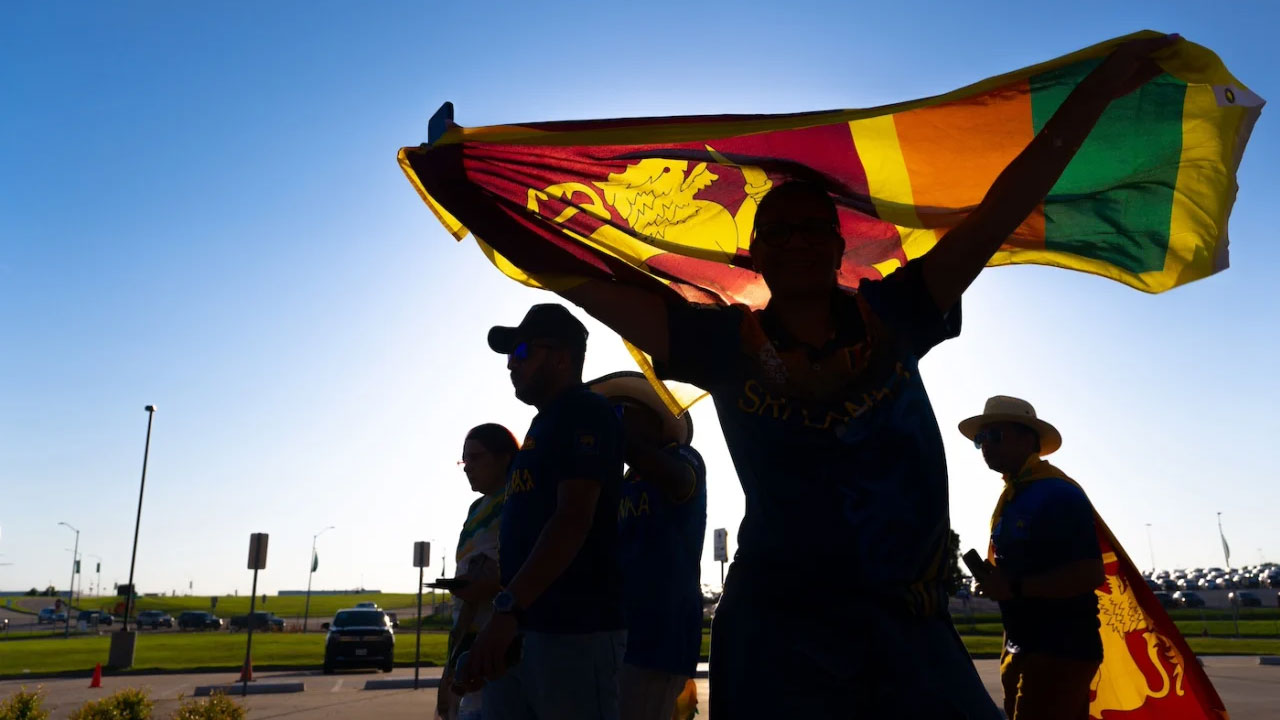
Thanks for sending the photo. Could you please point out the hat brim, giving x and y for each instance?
(1050, 438)
(503, 339)
(635, 386)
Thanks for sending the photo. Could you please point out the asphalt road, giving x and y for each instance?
(1250, 691)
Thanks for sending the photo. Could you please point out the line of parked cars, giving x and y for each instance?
(1251, 577)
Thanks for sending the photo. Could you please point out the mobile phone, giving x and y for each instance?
(449, 584)
(975, 563)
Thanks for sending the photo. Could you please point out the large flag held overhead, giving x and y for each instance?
(672, 200)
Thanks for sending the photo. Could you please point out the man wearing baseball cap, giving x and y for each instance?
(558, 542)
(662, 522)
(1047, 564)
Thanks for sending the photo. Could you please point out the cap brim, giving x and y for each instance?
(503, 339)
(635, 386)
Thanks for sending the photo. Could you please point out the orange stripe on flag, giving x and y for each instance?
(953, 152)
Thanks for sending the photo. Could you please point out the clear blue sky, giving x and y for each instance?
(200, 208)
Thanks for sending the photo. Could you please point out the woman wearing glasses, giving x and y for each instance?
(486, 458)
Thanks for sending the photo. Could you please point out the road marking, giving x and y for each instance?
(336, 684)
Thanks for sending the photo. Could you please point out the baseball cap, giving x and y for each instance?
(548, 320)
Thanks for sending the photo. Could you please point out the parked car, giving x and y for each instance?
(154, 619)
(393, 618)
(50, 615)
(359, 637)
(1169, 585)
(1166, 600)
(199, 620)
(261, 620)
(367, 605)
(1244, 598)
(1189, 599)
(94, 617)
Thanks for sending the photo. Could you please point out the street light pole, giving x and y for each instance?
(75, 552)
(1151, 548)
(311, 570)
(133, 559)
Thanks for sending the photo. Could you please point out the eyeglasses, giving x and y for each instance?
(807, 233)
(470, 458)
(523, 350)
(990, 435)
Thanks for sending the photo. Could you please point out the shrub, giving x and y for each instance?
(130, 704)
(23, 705)
(216, 707)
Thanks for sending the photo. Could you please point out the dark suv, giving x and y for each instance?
(359, 638)
(199, 620)
(154, 619)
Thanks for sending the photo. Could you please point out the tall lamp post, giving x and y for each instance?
(1151, 549)
(75, 553)
(311, 570)
(122, 643)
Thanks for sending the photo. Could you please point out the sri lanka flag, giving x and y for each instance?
(672, 200)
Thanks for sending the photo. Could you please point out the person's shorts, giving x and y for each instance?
(560, 676)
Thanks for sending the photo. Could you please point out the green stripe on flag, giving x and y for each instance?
(1134, 153)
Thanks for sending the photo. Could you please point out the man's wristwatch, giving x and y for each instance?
(504, 603)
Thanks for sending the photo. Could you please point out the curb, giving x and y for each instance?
(238, 689)
(1269, 659)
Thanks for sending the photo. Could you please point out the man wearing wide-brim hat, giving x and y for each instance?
(662, 520)
(1047, 563)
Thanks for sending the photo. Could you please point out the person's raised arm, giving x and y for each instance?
(963, 252)
(638, 314)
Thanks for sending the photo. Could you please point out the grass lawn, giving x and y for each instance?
(185, 651)
(322, 606)
(179, 651)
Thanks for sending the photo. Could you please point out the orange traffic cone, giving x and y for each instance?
(96, 682)
(246, 673)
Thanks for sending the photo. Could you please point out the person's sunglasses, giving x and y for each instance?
(984, 437)
(524, 349)
(807, 233)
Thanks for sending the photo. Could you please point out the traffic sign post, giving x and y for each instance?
(257, 561)
(421, 559)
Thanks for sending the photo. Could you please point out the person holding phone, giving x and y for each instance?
(487, 453)
(1047, 564)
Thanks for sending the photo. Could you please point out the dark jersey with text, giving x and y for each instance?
(578, 435)
(662, 568)
(836, 447)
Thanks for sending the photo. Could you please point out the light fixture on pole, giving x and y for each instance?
(315, 563)
(75, 553)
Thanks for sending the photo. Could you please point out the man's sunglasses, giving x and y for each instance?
(990, 435)
(807, 233)
(524, 349)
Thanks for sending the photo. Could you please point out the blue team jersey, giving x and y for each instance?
(577, 435)
(661, 551)
(1047, 524)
